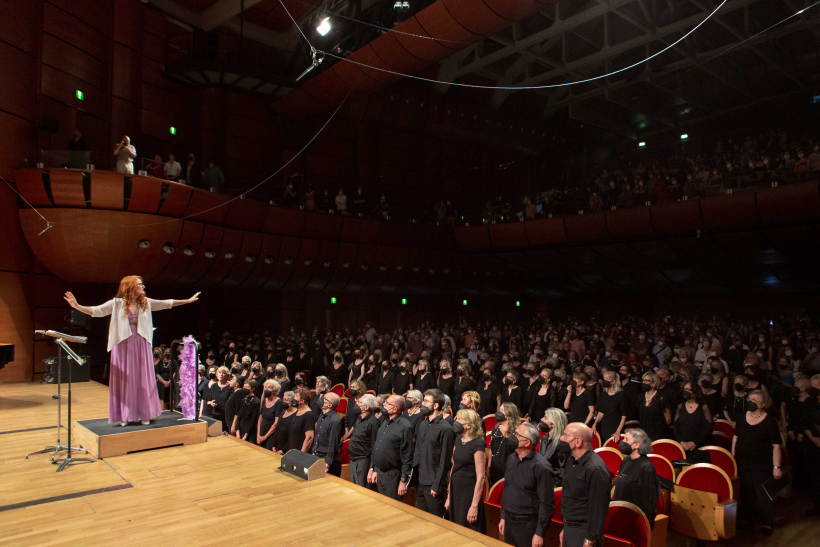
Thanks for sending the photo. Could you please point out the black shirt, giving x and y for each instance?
(540, 403)
(401, 382)
(247, 414)
(489, 398)
(327, 436)
(296, 428)
(424, 382)
(579, 405)
(585, 497)
(637, 483)
(433, 452)
(653, 417)
(448, 386)
(514, 396)
(385, 382)
(363, 437)
(612, 407)
(692, 427)
(528, 489)
(500, 448)
(393, 448)
(218, 394)
(753, 448)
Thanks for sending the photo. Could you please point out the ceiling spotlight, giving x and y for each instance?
(382, 268)
(250, 259)
(346, 265)
(364, 267)
(324, 26)
(144, 244)
(189, 251)
(210, 253)
(168, 248)
(288, 261)
(268, 260)
(228, 255)
(326, 264)
(415, 269)
(307, 262)
(399, 268)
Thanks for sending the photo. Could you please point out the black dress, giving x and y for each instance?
(448, 387)
(247, 416)
(425, 382)
(613, 408)
(652, 418)
(500, 448)
(269, 415)
(692, 426)
(462, 384)
(753, 454)
(715, 402)
(296, 428)
(516, 397)
(489, 398)
(220, 395)
(462, 484)
(540, 403)
(579, 405)
(280, 434)
(338, 375)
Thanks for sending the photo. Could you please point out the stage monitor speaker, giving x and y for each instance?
(303, 465)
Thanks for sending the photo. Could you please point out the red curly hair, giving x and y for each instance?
(129, 292)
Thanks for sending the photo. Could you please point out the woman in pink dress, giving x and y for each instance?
(132, 384)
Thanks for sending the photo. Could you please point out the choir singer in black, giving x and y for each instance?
(392, 459)
(527, 502)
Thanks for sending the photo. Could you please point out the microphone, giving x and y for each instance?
(48, 227)
(66, 337)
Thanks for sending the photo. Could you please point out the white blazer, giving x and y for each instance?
(118, 327)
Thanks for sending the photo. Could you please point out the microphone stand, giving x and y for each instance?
(68, 460)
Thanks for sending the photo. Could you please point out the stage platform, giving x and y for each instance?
(104, 439)
(223, 490)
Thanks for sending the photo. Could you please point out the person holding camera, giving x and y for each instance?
(125, 154)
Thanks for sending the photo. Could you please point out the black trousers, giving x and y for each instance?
(358, 471)
(575, 534)
(754, 506)
(426, 502)
(519, 531)
(387, 482)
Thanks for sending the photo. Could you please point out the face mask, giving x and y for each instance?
(420, 370)
(814, 392)
(686, 395)
(267, 393)
(377, 411)
(354, 392)
(212, 376)
(487, 377)
(543, 427)
(606, 384)
(625, 448)
(507, 382)
(739, 387)
(751, 406)
(458, 427)
(706, 384)
(298, 382)
(645, 387)
(294, 403)
(499, 416)
(425, 411)
(462, 406)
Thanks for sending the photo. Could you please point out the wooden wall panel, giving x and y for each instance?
(61, 85)
(89, 10)
(16, 326)
(67, 58)
(76, 31)
(127, 21)
(125, 73)
(17, 93)
(67, 188)
(107, 190)
(20, 24)
(17, 143)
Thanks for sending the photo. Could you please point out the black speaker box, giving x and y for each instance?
(303, 465)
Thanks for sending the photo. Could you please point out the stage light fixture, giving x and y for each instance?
(250, 259)
(168, 248)
(307, 262)
(324, 26)
(642, 144)
(210, 253)
(228, 255)
(144, 244)
(189, 251)
(288, 261)
(268, 260)
(684, 137)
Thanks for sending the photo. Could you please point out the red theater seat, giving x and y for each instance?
(489, 422)
(707, 477)
(341, 409)
(724, 427)
(663, 467)
(612, 458)
(613, 443)
(723, 459)
(625, 521)
(338, 389)
(669, 449)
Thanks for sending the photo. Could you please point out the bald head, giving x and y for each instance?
(579, 438)
(394, 405)
(332, 399)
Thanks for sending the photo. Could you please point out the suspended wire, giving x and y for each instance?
(257, 185)
(533, 87)
(298, 27)
(49, 225)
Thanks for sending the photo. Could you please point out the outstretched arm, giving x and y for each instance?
(157, 305)
(72, 301)
(191, 300)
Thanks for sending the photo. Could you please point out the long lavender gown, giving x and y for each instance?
(132, 384)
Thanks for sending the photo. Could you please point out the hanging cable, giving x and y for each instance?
(49, 225)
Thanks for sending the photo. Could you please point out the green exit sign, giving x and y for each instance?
(403, 301)
(79, 94)
(333, 300)
(172, 130)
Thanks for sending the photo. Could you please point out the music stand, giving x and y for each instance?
(58, 446)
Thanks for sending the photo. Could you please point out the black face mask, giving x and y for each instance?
(487, 377)
(212, 376)
(294, 403)
(625, 448)
(751, 406)
(543, 427)
(686, 395)
(462, 406)
(507, 382)
(563, 448)
(425, 411)
(354, 392)
(813, 392)
(458, 427)
(499, 416)
(377, 411)
(706, 384)
(739, 388)
(298, 382)
(606, 384)
(646, 387)
(267, 393)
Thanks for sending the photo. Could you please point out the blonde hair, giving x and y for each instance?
(472, 422)
(616, 382)
(473, 397)
(273, 385)
(559, 422)
(512, 414)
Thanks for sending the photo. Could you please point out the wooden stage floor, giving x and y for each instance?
(204, 494)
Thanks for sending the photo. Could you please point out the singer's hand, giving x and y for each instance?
(195, 297)
(69, 297)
